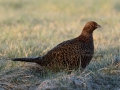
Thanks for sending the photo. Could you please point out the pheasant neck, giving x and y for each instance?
(87, 37)
(87, 34)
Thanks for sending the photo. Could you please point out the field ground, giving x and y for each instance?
(32, 27)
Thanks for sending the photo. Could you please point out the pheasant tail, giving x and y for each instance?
(35, 60)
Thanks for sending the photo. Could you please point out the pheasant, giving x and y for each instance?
(70, 54)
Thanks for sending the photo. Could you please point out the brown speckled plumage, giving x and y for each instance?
(70, 54)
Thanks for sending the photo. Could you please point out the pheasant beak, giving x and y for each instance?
(98, 26)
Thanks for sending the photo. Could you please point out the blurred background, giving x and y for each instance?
(52, 21)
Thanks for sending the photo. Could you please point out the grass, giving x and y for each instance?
(31, 28)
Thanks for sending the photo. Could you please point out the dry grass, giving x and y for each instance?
(31, 28)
